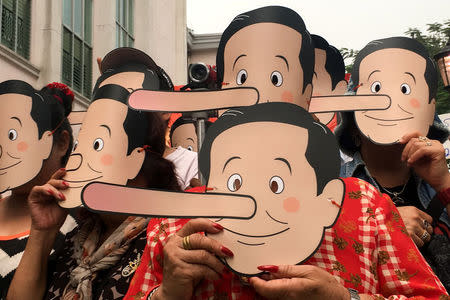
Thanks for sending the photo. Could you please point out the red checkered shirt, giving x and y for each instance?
(368, 249)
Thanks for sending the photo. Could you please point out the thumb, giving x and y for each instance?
(288, 271)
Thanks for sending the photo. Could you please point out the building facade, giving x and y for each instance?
(46, 40)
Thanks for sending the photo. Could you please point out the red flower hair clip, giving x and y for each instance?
(63, 88)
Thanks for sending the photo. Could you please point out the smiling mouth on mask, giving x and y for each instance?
(81, 181)
(8, 167)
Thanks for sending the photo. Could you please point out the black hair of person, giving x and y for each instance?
(182, 121)
(144, 128)
(47, 111)
(334, 63)
(135, 123)
(321, 152)
(404, 43)
(153, 79)
(270, 14)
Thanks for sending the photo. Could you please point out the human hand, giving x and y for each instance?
(417, 224)
(427, 158)
(184, 269)
(45, 212)
(299, 282)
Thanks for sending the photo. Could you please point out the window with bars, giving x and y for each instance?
(77, 45)
(124, 23)
(16, 20)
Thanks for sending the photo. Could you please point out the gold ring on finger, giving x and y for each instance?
(428, 143)
(422, 138)
(425, 223)
(186, 243)
(425, 236)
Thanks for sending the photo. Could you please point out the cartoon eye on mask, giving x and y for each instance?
(190, 148)
(276, 184)
(98, 144)
(376, 87)
(276, 78)
(12, 134)
(405, 89)
(241, 77)
(234, 182)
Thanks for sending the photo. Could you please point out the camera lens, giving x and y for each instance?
(198, 72)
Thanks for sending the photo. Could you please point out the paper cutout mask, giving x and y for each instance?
(329, 73)
(25, 139)
(109, 144)
(132, 69)
(401, 68)
(276, 154)
(183, 133)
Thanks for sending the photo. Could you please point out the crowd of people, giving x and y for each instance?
(359, 199)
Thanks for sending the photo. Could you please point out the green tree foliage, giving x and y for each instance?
(434, 39)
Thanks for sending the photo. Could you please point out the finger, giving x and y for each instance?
(419, 243)
(414, 145)
(199, 241)
(405, 139)
(426, 236)
(55, 192)
(275, 288)
(425, 216)
(199, 225)
(203, 257)
(59, 174)
(425, 152)
(407, 149)
(59, 184)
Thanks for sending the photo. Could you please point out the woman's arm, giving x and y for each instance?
(30, 278)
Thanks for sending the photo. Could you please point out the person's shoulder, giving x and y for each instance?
(356, 188)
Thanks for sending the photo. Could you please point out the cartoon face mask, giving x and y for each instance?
(289, 189)
(329, 73)
(109, 144)
(184, 135)
(24, 145)
(406, 77)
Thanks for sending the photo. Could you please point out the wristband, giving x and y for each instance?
(152, 292)
(354, 294)
(444, 196)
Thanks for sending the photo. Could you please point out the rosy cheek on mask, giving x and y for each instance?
(287, 97)
(107, 159)
(291, 204)
(414, 103)
(22, 147)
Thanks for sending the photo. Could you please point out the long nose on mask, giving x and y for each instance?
(74, 162)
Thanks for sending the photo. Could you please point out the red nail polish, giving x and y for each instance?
(61, 195)
(62, 169)
(226, 251)
(65, 183)
(50, 192)
(268, 268)
(217, 226)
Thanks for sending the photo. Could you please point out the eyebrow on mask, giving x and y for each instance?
(190, 139)
(372, 73)
(230, 159)
(107, 127)
(242, 55)
(410, 74)
(285, 60)
(18, 120)
(286, 162)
